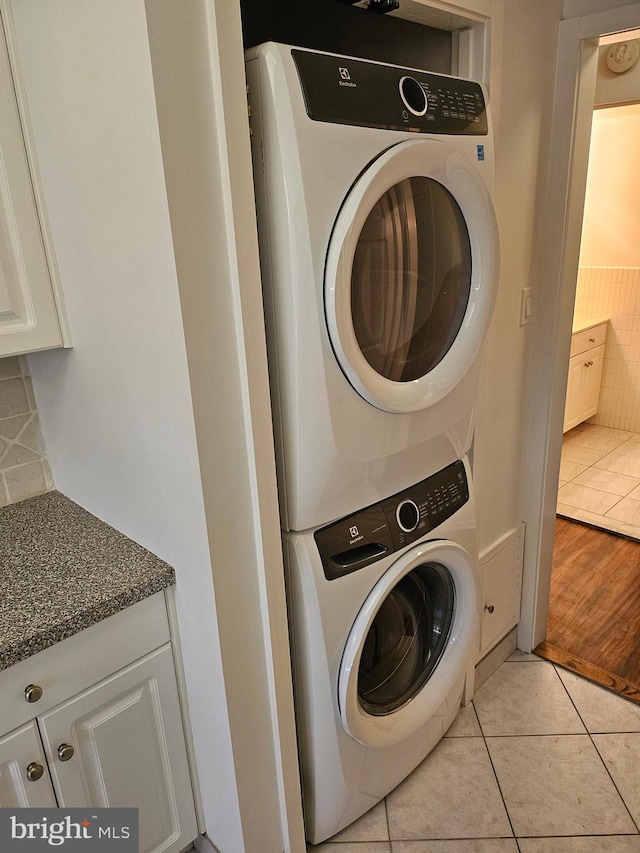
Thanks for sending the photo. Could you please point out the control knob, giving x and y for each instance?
(413, 95)
(407, 516)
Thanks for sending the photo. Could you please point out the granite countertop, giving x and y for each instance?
(62, 570)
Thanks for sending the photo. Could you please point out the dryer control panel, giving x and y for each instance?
(342, 90)
(366, 536)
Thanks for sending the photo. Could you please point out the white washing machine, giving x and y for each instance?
(384, 617)
(379, 258)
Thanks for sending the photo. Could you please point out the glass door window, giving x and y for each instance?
(411, 275)
(411, 279)
(406, 639)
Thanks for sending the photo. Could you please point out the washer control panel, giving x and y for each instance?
(342, 90)
(383, 528)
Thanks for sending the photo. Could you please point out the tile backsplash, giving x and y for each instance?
(24, 467)
(614, 293)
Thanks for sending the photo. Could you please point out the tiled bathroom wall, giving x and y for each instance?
(24, 468)
(614, 293)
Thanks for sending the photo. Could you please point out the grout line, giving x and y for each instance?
(590, 734)
(613, 781)
(486, 746)
(386, 816)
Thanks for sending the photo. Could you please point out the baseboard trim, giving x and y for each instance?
(496, 657)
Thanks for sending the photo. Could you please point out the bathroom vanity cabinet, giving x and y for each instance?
(585, 371)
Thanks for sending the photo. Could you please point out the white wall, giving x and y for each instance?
(116, 409)
(611, 224)
(521, 127)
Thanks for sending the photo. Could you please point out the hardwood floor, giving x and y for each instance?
(594, 609)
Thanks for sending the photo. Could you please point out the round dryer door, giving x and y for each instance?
(409, 645)
(411, 275)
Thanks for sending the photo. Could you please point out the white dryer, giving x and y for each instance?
(384, 619)
(379, 257)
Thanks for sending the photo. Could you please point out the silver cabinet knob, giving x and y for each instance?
(65, 751)
(32, 692)
(34, 771)
(489, 608)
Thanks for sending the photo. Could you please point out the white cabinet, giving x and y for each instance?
(119, 742)
(501, 583)
(31, 314)
(24, 780)
(585, 375)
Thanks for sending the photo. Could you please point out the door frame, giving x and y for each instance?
(558, 241)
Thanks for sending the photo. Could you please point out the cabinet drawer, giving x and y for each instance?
(594, 337)
(82, 660)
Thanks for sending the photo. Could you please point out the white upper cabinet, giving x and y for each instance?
(31, 314)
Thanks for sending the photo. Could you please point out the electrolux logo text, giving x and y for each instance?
(71, 830)
(345, 78)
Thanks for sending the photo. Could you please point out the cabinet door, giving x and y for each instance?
(583, 387)
(592, 365)
(28, 309)
(124, 746)
(501, 581)
(24, 778)
(573, 407)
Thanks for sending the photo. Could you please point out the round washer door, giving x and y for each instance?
(409, 645)
(411, 275)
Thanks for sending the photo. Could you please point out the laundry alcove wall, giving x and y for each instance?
(350, 30)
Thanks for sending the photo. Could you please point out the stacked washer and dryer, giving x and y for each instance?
(379, 258)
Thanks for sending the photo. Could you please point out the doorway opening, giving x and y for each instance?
(593, 625)
(599, 480)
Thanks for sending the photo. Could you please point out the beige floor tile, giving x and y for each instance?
(452, 794)
(634, 438)
(465, 724)
(581, 515)
(594, 441)
(350, 847)
(606, 522)
(372, 826)
(569, 470)
(607, 481)
(526, 699)
(592, 500)
(576, 430)
(627, 509)
(523, 657)
(586, 844)
(556, 786)
(582, 455)
(600, 709)
(458, 845)
(604, 430)
(623, 460)
(621, 754)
